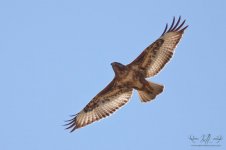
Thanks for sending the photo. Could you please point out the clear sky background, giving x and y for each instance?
(55, 57)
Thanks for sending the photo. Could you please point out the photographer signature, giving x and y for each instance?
(206, 140)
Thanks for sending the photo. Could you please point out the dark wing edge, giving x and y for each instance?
(105, 103)
(175, 28)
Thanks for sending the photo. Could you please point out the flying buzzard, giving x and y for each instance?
(132, 76)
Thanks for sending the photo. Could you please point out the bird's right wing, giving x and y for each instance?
(102, 105)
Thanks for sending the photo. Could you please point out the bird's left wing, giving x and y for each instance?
(102, 105)
(155, 56)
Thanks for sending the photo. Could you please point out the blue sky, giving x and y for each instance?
(55, 57)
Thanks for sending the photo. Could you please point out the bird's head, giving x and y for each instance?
(118, 67)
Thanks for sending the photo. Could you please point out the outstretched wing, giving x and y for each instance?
(155, 56)
(102, 105)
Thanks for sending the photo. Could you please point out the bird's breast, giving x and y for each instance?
(130, 79)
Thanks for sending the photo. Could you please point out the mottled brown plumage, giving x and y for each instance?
(132, 76)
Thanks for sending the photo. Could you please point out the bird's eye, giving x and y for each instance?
(120, 65)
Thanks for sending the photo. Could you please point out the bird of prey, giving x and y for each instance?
(132, 77)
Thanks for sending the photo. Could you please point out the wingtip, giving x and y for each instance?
(73, 129)
(175, 27)
(182, 30)
(172, 25)
(71, 123)
(165, 29)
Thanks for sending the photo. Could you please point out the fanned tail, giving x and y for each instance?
(150, 91)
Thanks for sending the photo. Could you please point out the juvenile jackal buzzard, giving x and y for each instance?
(130, 77)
